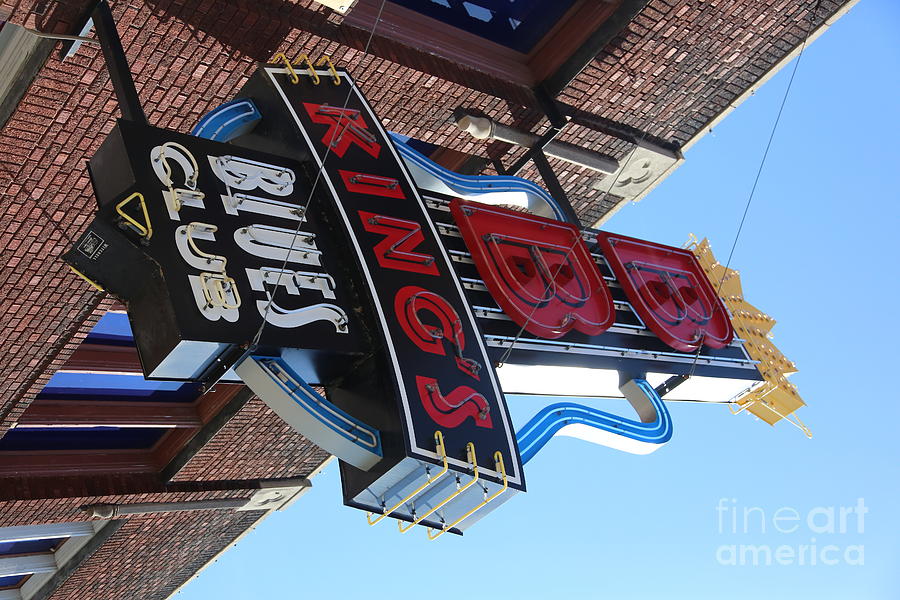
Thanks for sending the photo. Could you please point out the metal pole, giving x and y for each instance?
(111, 511)
(483, 128)
(554, 187)
(117, 64)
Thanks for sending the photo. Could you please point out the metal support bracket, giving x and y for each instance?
(500, 468)
(473, 461)
(442, 452)
(117, 64)
(145, 229)
(554, 187)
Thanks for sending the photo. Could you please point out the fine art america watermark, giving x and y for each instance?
(829, 535)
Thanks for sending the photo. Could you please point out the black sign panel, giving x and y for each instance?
(229, 237)
(434, 368)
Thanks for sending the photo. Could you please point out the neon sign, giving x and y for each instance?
(539, 270)
(332, 268)
(214, 226)
(670, 291)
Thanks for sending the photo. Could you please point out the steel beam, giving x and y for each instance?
(554, 187)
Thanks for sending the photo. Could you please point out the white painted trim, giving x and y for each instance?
(769, 74)
(17, 44)
(79, 535)
(303, 490)
(22, 533)
(63, 555)
(246, 532)
(220, 553)
(27, 564)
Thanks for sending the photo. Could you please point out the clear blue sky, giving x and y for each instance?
(818, 252)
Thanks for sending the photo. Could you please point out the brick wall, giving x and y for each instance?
(150, 556)
(255, 443)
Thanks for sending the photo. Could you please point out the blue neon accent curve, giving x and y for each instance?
(228, 121)
(317, 407)
(240, 116)
(544, 425)
(476, 184)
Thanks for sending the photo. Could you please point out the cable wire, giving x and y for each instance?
(762, 163)
(312, 191)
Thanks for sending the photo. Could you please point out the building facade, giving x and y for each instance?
(111, 487)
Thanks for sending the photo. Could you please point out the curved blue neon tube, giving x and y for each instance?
(233, 119)
(228, 121)
(323, 410)
(477, 184)
(544, 425)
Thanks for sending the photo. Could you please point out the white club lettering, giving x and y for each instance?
(293, 281)
(184, 193)
(244, 174)
(185, 241)
(287, 318)
(279, 244)
(262, 206)
(247, 184)
(211, 310)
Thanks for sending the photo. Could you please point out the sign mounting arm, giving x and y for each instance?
(117, 64)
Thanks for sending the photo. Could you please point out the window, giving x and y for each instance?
(12, 581)
(80, 438)
(75, 385)
(516, 24)
(112, 328)
(30, 555)
(30, 546)
(99, 414)
(521, 41)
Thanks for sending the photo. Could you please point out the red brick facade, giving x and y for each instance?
(669, 73)
(152, 556)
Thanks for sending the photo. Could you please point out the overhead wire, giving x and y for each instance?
(762, 163)
(256, 338)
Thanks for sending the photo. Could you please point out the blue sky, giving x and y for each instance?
(817, 252)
